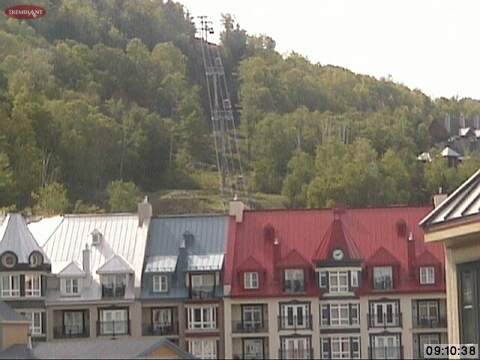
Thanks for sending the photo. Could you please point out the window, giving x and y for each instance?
(9, 260)
(296, 348)
(10, 285)
(73, 323)
(340, 348)
(253, 349)
(252, 317)
(325, 314)
(160, 283)
(338, 281)
(202, 286)
(203, 348)
(354, 314)
(202, 317)
(294, 280)
(339, 314)
(382, 277)
(35, 318)
(114, 322)
(386, 347)
(251, 280)
(323, 279)
(113, 285)
(33, 285)
(161, 318)
(295, 316)
(427, 275)
(354, 278)
(383, 314)
(427, 312)
(70, 286)
(424, 339)
(35, 259)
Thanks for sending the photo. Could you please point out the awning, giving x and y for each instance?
(161, 264)
(205, 262)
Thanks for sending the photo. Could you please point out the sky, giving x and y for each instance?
(431, 45)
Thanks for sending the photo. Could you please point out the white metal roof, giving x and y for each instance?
(122, 236)
(212, 262)
(115, 265)
(463, 131)
(161, 263)
(72, 270)
(449, 152)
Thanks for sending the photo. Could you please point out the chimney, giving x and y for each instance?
(144, 211)
(439, 198)
(86, 262)
(411, 254)
(236, 208)
(276, 258)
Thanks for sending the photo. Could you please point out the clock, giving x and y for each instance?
(337, 254)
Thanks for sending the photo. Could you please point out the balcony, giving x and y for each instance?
(244, 327)
(113, 328)
(160, 329)
(295, 353)
(424, 323)
(202, 293)
(385, 352)
(113, 291)
(295, 323)
(385, 321)
(71, 332)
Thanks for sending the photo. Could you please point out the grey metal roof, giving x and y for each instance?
(72, 270)
(463, 202)
(115, 265)
(8, 314)
(161, 263)
(122, 348)
(17, 238)
(121, 235)
(201, 235)
(449, 152)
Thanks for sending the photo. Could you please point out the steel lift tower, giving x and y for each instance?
(229, 165)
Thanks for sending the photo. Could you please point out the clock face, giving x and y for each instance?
(337, 254)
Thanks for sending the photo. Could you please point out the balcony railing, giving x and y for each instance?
(295, 353)
(113, 291)
(385, 352)
(430, 323)
(113, 328)
(295, 322)
(160, 329)
(248, 356)
(395, 320)
(67, 332)
(202, 293)
(249, 327)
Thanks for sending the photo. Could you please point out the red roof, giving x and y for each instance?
(382, 257)
(427, 258)
(364, 232)
(251, 264)
(293, 260)
(337, 237)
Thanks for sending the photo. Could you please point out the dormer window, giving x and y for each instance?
(35, 259)
(70, 286)
(294, 280)
(250, 280)
(382, 277)
(97, 237)
(160, 283)
(9, 260)
(338, 281)
(427, 275)
(113, 285)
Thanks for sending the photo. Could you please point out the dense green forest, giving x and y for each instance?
(103, 100)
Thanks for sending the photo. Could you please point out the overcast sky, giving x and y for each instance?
(432, 45)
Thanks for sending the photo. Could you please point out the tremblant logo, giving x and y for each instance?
(25, 12)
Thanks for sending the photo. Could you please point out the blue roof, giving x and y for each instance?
(200, 234)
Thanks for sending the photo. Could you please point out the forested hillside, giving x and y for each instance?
(103, 100)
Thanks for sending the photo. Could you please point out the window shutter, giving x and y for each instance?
(350, 314)
(43, 290)
(22, 285)
(349, 275)
(44, 322)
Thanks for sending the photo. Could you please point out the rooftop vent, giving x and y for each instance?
(188, 238)
(97, 237)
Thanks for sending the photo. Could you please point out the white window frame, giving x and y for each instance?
(355, 320)
(339, 315)
(68, 286)
(203, 348)
(382, 273)
(323, 279)
(354, 278)
(33, 285)
(338, 282)
(35, 318)
(427, 275)
(74, 321)
(115, 325)
(13, 282)
(208, 317)
(340, 348)
(160, 283)
(300, 316)
(117, 280)
(250, 280)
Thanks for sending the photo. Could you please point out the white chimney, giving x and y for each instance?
(144, 211)
(439, 198)
(86, 261)
(236, 208)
